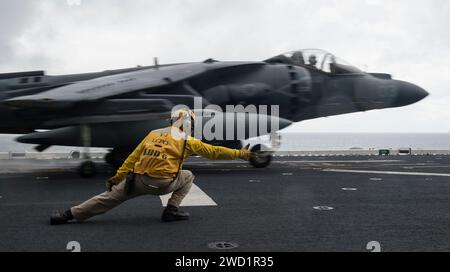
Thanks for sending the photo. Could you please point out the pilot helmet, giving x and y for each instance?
(313, 60)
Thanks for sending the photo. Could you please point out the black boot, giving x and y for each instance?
(171, 213)
(59, 218)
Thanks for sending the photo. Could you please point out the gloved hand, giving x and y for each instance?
(112, 182)
(244, 153)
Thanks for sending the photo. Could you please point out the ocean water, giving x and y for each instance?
(306, 142)
(346, 141)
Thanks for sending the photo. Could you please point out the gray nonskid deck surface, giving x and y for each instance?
(259, 209)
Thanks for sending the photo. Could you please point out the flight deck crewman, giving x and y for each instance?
(157, 167)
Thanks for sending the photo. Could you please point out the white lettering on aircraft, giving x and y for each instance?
(106, 85)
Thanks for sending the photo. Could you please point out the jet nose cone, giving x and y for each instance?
(409, 93)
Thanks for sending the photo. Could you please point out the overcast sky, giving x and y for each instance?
(406, 38)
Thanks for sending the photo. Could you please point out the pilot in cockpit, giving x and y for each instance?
(312, 61)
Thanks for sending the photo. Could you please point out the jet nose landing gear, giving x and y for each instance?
(263, 156)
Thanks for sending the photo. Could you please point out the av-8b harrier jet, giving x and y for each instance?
(115, 109)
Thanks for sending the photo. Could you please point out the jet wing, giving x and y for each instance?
(108, 86)
(116, 110)
(103, 119)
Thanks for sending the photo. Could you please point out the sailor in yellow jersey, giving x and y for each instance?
(154, 168)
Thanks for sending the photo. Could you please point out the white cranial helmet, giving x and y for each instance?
(182, 118)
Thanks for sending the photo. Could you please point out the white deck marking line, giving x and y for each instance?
(196, 197)
(340, 161)
(387, 172)
(309, 161)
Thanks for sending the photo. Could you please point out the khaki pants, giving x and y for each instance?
(143, 185)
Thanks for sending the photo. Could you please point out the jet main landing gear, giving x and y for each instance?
(87, 168)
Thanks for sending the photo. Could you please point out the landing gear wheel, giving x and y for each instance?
(87, 169)
(109, 158)
(262, 158)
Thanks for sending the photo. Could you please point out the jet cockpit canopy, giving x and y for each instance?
(317, 59)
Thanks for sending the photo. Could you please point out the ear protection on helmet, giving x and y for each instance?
(183, 119)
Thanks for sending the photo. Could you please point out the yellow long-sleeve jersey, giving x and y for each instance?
(159, 154)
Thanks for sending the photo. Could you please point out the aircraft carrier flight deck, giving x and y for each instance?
(351, 203)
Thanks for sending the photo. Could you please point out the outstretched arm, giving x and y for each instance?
(195, 146)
